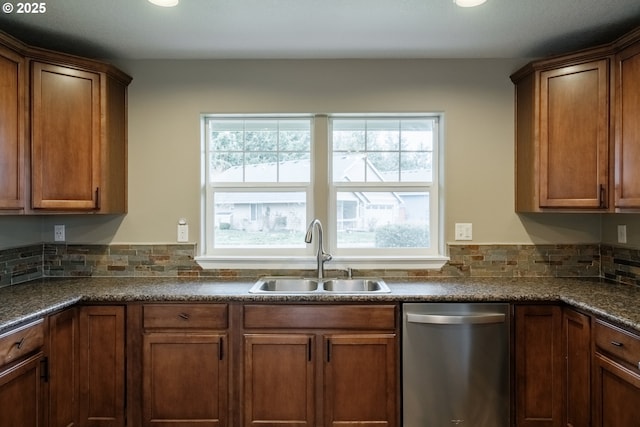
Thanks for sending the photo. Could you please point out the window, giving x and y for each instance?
(371, 180)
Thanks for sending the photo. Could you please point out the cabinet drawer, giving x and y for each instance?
(258, 316)
(618, 343)
(21, 341)
(185, 316)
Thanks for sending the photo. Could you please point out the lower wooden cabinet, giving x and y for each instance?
(538, 365)
(616, 377)
(21, 393)
(360, 376)
(102, 366)
(576, 346)
(185, 365)
(23, 376)
(316, 365)
(64, 369)
(279, 377)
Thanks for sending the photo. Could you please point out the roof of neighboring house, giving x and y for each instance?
(346, 167)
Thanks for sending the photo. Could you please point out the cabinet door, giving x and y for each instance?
(627, 176)
(360, 380)
(63, 369)
(616, 394)
(65, 163)
(577, 348)
(12, 118)
(538, 366)
(279, 380)
(102, 362)
(574, 136)
(184, 380)
(21, 394)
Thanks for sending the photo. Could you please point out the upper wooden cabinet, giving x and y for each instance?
(566, 108)
(73, 155)
(562, 136)
(627, 127)
(12, 129)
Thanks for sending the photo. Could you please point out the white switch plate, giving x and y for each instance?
(464, 231)
(622, 234)
(58, 233)
(183, 232)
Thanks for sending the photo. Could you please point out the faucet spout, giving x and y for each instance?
(321, 255)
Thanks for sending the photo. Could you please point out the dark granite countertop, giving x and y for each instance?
(25, 302)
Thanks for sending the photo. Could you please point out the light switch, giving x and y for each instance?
(464, 231)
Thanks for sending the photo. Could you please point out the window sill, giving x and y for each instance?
(337, 263)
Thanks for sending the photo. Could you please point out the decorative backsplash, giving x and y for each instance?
(177, 260)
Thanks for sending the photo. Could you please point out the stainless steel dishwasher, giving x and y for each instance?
(455, 365)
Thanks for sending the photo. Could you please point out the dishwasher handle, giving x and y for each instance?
(455, 319)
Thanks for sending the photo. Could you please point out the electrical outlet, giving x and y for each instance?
(58, 233)
(464, 231)
(622, 234)
(183, 231)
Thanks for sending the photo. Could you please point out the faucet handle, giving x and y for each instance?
(349, 271)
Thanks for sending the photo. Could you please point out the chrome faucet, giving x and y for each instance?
(321, 255)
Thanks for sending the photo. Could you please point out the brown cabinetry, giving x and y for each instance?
(185, 365)
(627, 127)
(63, 352)
(316, 365)
(102, 366)
(569, 111)
(552, 366)
(75, 156)
(279, 378)
(562, 135)
(538, 365)
(12, 129)
(22, 376)
(65, 146)
(616, 377)
(576, 346)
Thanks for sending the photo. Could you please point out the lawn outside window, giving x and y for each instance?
(372, 180)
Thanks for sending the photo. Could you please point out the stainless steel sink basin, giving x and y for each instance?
(355, 285)
(285, 285)
(301, 285)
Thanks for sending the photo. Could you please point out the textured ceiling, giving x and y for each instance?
(204, 29)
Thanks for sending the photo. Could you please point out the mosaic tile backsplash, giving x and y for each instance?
(177, 260)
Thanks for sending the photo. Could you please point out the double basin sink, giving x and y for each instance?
(301, 285)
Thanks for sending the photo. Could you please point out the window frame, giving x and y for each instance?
(320, 189)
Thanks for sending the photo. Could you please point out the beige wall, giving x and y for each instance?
(166, 99)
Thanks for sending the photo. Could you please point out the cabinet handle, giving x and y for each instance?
(328, 351)
(309, 355)
(617, 344)
(20, 343)
(184, 316)
(221, 353)
(97, 197)
(602, 204)
(44, 366)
